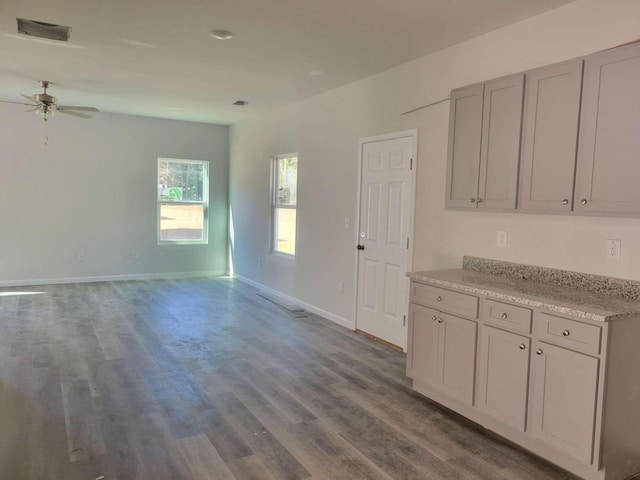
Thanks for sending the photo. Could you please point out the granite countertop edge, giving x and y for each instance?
(544, 303)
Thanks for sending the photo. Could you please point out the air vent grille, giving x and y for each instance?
(43, 30)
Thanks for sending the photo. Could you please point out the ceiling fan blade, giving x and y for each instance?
(30, 98)
(82, 109)
(75, 114)
(18, 103)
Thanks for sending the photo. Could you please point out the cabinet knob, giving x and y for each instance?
(434, 318)
(566, 333)
(565, 202)
(439, 298)
(504, 315)
(440, 320)
(539, 352)
(522, 346)
(478, 200)
(473, 200)
(583, 201)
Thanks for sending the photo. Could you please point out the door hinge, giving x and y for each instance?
(407, 243)
(404, 320)
(411, 164)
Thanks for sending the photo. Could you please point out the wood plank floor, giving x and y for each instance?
(204, 379)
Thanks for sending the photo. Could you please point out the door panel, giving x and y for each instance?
(465, 133)
(564, 405)
(500, 153)
(503, 376)
(458, 357)
(385, 207)
(608, 169)
(550, 134)
(422, 362)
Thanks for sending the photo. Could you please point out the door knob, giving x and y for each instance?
(360, 247)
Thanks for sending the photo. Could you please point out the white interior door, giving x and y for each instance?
(383, 246)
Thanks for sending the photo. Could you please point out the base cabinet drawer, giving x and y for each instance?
(503, 376)
(570, 333)
(445, 300)
(565, 389)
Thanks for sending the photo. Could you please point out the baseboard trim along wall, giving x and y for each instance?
(307, 306)
(111, 278)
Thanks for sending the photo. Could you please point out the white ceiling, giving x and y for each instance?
(156, 58)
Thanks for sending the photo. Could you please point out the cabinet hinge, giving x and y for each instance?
(411, 164)
(404, 320)
(407, 243)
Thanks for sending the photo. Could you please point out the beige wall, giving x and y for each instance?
(325, 131)
(93, 189)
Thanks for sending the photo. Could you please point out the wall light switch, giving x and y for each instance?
(501, 240)
(613, 249)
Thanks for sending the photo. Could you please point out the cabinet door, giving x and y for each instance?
(503, 376)
(463, 161)
(500, 153)
(422, 351)
(608, 169)
(457, 357)
(564, 400)
(549, 137)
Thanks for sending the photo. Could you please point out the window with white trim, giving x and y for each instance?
(284, 190)
(183, 201)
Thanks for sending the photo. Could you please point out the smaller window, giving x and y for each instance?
(284, 185)
(183, 201)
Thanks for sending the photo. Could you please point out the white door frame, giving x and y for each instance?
(413, 133)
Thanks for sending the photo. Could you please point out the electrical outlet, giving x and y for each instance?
(501, 239)
(613, 249)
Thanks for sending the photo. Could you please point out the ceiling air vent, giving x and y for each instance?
(43, 30)
(240, 103)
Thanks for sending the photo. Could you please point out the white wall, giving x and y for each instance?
(325, 131)
(93, 189)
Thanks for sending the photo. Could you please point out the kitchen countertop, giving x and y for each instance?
(554, 298)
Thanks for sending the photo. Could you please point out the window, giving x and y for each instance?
(284, 201)
(183, 201)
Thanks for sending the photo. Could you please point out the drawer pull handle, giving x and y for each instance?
(440, 320)
(522, 346)
(439, 298)
(504, 316)
(539, 352)
(434, 318)
(566, 333)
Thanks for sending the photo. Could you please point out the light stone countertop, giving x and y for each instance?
(554, 298)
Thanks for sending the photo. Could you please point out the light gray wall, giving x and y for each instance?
(325, 131)
(93, 189)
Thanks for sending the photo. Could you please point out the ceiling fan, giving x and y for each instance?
(46, 105)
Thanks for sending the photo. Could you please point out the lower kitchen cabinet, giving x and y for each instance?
(442, 352)
(565, 396)
(503, 376)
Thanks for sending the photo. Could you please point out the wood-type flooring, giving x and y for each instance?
(203, 379)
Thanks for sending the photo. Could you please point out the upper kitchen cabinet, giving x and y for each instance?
(484, 145)
(608, 169)
(465, 134)
(549, 137)
(500, 153)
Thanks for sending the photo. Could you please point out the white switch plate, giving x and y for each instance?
(501, 239)
(613, 249)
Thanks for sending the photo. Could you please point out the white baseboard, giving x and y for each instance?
(307, 306)
(111, 278)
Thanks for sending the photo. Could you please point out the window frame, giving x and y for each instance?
(275, 207)
(204, 202)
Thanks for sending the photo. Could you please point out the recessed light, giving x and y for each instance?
(221, 34)
(240, 103)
